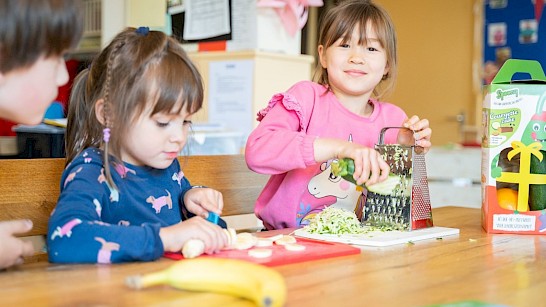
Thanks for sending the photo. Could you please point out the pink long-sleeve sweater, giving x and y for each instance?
(282, 146)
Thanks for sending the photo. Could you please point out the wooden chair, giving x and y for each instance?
(228, 174)
(29, 188)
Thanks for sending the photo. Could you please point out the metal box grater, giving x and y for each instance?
(408, 206)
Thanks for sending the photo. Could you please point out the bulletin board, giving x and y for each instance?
(513, 29)
(178, 21)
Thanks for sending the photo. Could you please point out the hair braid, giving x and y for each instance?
(106, 111)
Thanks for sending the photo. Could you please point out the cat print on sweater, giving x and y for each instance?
(71, 176)
(66, 229)
(178, 177)
(105, 252)
(114, 194)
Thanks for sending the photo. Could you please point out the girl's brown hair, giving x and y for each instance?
(340, 21)
(135, 69)
(33, 28)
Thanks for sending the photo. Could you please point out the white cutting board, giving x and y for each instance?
(383, 238)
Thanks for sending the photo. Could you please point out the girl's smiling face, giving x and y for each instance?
(354, 69)
(156, 140)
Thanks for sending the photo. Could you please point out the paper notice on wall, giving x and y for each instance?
(206, 19)
(230, 94)
(244, 35)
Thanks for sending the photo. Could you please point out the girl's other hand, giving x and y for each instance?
(370, 168)
(175, 236)
(419, 135)
(12, 249)
(201, 201)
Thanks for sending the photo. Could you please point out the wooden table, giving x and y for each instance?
(497, 269)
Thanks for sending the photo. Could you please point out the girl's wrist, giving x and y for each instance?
(163, 235)
(167, 239)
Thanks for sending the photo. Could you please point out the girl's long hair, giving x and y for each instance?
(339, 22)
(136, 69)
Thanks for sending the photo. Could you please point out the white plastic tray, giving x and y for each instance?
(383, 238)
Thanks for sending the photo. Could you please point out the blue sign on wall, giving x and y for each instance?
(513, 29)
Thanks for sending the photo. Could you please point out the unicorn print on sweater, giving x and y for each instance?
(324, 184)
(325, 189)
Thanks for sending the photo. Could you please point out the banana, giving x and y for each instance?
(193, 248)
(258, 283)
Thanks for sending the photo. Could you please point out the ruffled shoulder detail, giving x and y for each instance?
(289, 102)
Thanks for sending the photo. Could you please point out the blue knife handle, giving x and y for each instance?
(213, 218)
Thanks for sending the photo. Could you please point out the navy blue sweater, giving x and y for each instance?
(94, 223)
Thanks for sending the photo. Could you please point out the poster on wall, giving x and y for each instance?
(230, 94)
(496, 34)
(206, 19)
(498, 4)
(195, 21)
(528, 31)
(512, 29)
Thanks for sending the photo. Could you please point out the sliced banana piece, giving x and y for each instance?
(285, 240)
(260, 252)
(245, 240)
(226, 232)
(193, 248)
(264, 242)
(274, 238)
(232, 238)
(294, 247)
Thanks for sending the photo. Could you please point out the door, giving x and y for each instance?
(436, 53)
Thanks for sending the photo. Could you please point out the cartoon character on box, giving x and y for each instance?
(534, 137)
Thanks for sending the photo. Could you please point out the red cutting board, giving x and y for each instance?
(314, 250)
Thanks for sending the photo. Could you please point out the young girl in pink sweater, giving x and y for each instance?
(340, 116)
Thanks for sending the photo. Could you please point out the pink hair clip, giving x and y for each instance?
(106, 135)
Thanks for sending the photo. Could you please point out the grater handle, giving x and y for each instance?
(418, 149)
(382, 134)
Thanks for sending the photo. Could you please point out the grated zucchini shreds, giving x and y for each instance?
(335, 221)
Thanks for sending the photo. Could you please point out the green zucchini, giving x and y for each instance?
(346, 167)
(537, 192)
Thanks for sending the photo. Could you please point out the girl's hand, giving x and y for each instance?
(212, 235)
(419, 135)
(13, 249)
(201, 201)
(370, 168)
